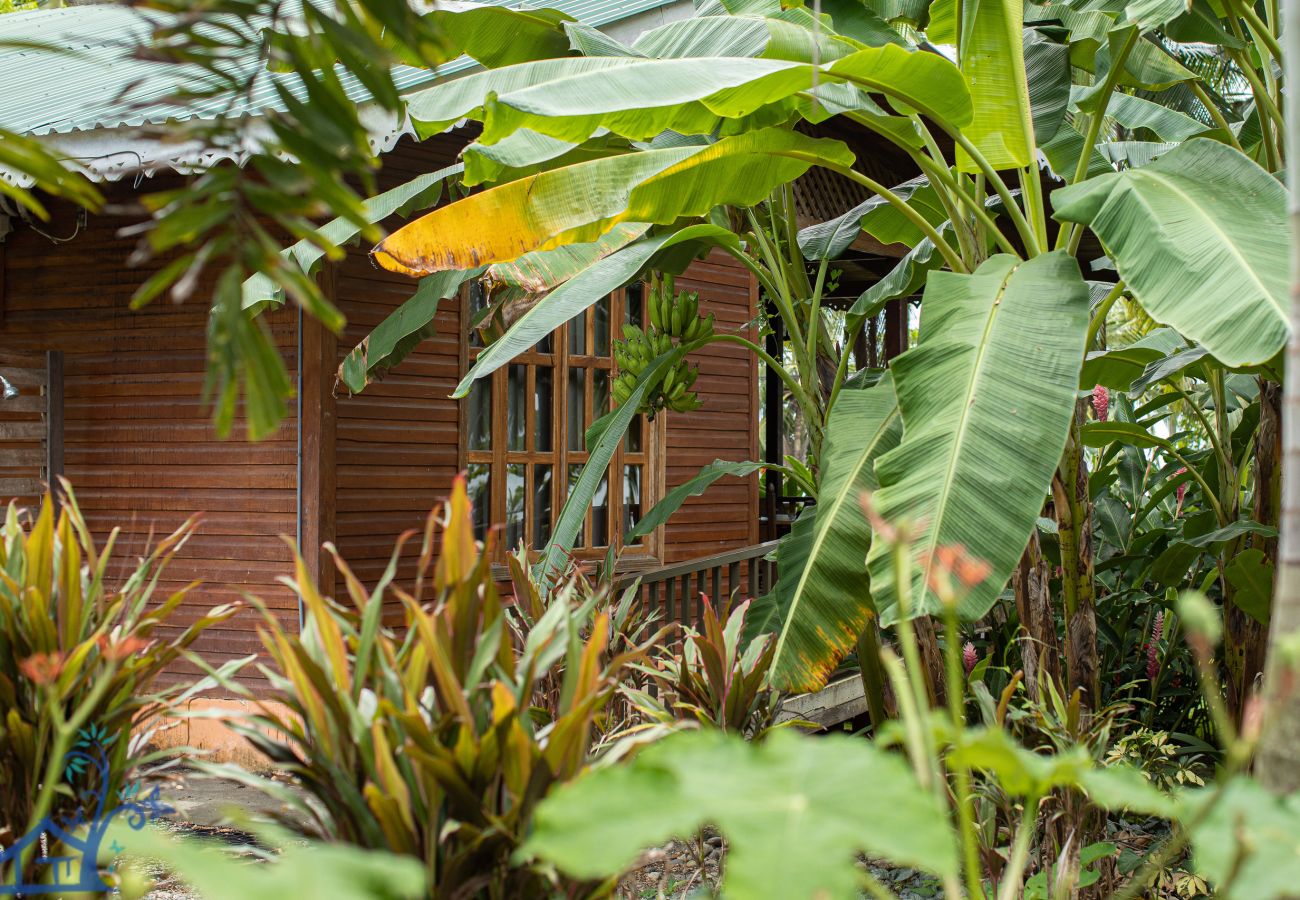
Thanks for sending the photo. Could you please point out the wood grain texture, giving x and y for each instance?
(725, 517)
(396, 444)
(138, 444)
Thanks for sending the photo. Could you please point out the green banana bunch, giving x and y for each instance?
(674, 318)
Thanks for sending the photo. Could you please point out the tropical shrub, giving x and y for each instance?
(80, 654)
(717, 680)
(437, 740)
(632, 628)
(797, 812)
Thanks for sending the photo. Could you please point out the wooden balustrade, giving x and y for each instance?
(675, 590)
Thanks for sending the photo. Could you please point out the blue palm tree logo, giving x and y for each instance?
(77, 836)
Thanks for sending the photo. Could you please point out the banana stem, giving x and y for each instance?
(1099, 318)
(1070, 237)
(1215, 113)
(814, 325)
(953, 259)
(961, 775)
(800, 395)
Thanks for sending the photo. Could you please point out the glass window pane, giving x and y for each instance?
(545, 345)
(480, 416)
(578, 334)
(632, 442)
(577, 408)
(541, 506)
(516, 498)
(575, 472)
(632, 305)
(600, 514)
(544, 409)
(600, 326)
(599, 393)
(631, 497)
(478, 483)
(516, 388)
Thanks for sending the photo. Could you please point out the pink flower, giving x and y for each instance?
(1153, 648)
(969, 657)
(1181, 492)
(1100, 402)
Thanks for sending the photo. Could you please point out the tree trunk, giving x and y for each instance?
(1245, 639)
(927, 638)
(1074, 527)
(875, 685)
(1279, 757)
(1040, 648)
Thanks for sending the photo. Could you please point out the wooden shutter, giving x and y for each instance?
(31, 424)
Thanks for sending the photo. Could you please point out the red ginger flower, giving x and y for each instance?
(1181, 492)
(1153, 648)
(1100, 402)
(969, 657)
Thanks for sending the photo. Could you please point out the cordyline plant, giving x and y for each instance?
(79, 655)
(714, 678)
(437, 740)
(798, 813)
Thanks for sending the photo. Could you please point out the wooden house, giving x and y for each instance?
(111, 398)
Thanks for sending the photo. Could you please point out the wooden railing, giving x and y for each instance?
(31, 423)
(675, 590)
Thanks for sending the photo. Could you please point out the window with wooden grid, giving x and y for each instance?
(524, 432)
(31, 425)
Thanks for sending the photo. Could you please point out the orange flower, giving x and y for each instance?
(117, 651)
(971, 571)
(951, 560)
(42, 668)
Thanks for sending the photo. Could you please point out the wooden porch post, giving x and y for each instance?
(895, 328)
(53, 420)
(773, 409)
(317, 470)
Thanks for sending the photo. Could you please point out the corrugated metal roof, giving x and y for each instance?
(96, 83)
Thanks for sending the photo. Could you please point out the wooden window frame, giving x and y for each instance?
(648, 552)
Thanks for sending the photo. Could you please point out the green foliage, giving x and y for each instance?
(1199, 237)
(822, 599)
(83, 640)
(437, 741)
(795, 812)
(986, 401)
(294, 869)
(715, 678)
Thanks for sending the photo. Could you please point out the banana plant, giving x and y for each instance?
(991, 421)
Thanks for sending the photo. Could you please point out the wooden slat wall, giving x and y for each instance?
(725, 517)
(139, 447)
(397, 442)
